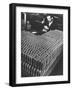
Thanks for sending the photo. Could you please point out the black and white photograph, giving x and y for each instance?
(40, 44)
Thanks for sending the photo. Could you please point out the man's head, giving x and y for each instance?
(49, 18)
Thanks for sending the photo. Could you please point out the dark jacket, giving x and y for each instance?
(56, 25)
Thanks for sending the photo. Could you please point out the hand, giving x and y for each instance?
(46, 27)
(44, 30)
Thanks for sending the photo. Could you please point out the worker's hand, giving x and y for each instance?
(46, 27)
(44, 30)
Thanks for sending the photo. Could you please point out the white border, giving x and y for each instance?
(64, 77)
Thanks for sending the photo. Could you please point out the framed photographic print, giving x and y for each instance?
(39, 44)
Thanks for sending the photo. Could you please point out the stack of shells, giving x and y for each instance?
(38, 53)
